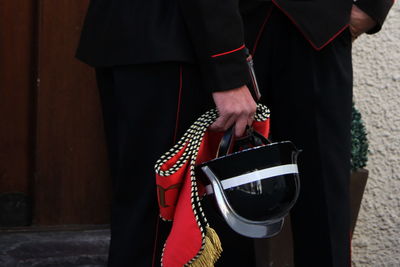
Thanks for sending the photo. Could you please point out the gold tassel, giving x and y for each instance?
(211, 252)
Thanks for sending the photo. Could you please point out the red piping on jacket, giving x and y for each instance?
(229, 52)
(175, 136)
(305, 36)
(155, 242)
(261, 31)
(178, 109)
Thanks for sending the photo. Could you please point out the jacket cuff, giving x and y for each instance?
(376, 9)
(226, 71)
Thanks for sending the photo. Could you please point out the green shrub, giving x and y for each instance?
(359, 144)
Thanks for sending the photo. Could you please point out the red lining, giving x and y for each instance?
(305, 36)
(261, 31)
(155, 242)
(178, 109)
(175, 136)
(229, 52)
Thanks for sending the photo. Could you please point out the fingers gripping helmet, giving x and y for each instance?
(255, 187)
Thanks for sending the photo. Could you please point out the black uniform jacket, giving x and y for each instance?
(209, 32)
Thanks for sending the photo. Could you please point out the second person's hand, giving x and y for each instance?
(360, 22)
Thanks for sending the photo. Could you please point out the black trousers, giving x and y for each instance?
(147, 107)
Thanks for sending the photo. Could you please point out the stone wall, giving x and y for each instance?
(376, 60)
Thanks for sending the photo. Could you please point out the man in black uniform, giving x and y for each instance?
(160, 64)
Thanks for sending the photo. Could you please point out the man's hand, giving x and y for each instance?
(360, 22)
(236, 107)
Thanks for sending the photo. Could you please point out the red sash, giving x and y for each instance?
(191, 240)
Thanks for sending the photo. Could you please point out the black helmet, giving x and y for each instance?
(254, 187)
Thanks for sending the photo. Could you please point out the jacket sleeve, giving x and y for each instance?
(216, 30)
(376, 9)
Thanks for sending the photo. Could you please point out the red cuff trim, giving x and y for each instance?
(229, 52)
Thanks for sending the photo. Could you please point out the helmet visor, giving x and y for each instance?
(256, 186)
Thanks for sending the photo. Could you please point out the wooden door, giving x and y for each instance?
(51, 139)
(72, 184)
(17, 108)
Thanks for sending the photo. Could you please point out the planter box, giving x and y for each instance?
(358, 181)
(276, 251)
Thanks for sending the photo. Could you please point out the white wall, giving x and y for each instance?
(376, 60)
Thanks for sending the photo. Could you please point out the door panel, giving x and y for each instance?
(52, 145)
(72, 185)
(16, 93)
(17, 111)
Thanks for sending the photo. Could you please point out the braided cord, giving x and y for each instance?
(192, 139)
